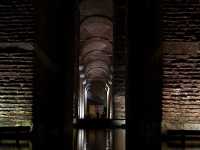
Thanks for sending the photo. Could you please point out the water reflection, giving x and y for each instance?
(99, 139)
(181, 145)
(15, 145)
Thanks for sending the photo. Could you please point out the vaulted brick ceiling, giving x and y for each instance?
(96, 36)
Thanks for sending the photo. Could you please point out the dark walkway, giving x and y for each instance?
(99, 123)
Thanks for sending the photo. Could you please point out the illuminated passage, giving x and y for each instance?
(95, 60)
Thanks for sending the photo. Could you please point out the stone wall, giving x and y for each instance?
(120, 58)
(180, 20)
(16, 62)
(181, 57)
(16, 86)
(16, 21)
(119, 110)
(181, 85)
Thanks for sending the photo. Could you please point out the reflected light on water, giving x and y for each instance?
(15, 145)
(181, 145)
(100, 139)
(81, 144)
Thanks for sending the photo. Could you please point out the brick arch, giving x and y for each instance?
(97, 68)
(96, 55)
(96, 26)
(96, 46)
(96, 43)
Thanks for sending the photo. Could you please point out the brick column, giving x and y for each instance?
(180, 46)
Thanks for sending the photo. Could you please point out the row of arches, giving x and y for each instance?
(95, 60)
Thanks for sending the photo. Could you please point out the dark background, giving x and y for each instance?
(144, 75)
(56, 40)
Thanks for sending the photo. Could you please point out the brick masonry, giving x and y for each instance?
(16, 86)
(180, 20)
(119, 103)
(16, 21)
(16, 62)
(181, 64)
(181, 85)
(119, 59)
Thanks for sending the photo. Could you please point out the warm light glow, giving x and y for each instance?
(81, 107)
(109, 112)
(82, 75)
(85, 105)
(81, 144)
(81, 67)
